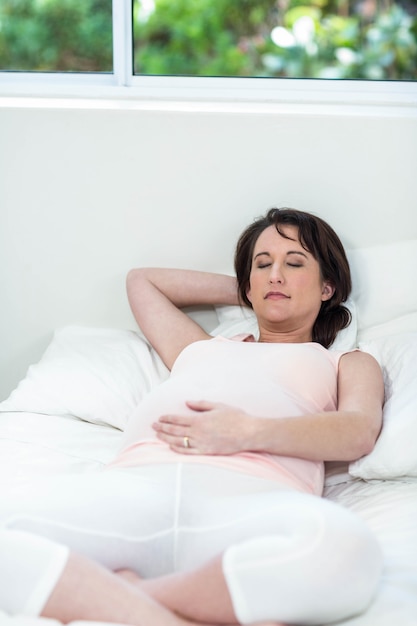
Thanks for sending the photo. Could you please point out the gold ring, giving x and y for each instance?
(186, 442)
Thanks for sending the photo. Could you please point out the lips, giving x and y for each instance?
(275, 295)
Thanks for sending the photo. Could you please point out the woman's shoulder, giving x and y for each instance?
(358, 361)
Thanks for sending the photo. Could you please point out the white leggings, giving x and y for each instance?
(29, 569)
(287, 556)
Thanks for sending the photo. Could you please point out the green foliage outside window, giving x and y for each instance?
(370, 39)
(367, 39)
(56, 35)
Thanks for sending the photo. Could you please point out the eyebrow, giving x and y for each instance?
(288, 253)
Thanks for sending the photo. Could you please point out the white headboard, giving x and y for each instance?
(88, 192)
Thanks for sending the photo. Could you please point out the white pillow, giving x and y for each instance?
(384, 281)
(235, 320)
(405, 323)
(394, 454)
(97, 375)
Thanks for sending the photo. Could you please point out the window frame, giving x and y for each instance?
(123, 84)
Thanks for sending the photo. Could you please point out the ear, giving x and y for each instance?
(248, 294)
(327, 291)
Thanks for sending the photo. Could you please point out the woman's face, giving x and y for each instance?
(286, 288)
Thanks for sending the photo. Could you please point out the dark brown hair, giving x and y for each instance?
(318, 238)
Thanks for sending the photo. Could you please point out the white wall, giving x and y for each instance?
(87, 193)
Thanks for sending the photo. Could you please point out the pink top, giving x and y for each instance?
(263, 379)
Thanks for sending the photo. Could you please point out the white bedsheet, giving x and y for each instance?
(390, 509)
(33, 443)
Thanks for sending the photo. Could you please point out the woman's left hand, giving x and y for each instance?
(215, 428)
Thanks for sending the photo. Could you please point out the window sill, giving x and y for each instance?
(233, 95)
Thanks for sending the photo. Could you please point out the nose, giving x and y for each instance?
(275, 275)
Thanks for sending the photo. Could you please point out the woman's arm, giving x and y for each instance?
(342, 435)
(156, 297)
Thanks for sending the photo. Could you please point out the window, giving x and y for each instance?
(201, 49)
(369, 39)
(56, 35)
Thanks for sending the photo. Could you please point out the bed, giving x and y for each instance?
(69, 412)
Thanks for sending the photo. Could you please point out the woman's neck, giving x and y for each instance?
(287, 336)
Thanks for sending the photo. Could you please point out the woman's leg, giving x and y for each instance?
(277, 545)
(116, 518)
(41, 577)
(195, 595)
(87, 591)
(281, 555)
(324, 566)
(29, 569)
